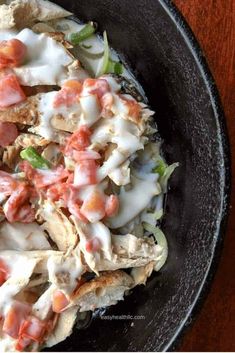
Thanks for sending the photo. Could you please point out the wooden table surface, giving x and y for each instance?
(213, 23)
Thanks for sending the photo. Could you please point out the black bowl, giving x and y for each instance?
(166, 59)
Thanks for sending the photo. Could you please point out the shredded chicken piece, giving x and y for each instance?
(58, 226)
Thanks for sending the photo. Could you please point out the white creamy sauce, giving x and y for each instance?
(21, 268)
(134, 201)
(7, 344)
(124, 134)
(91, 109)
(47, 112)
(70, 267)
(46, 62)
(121, 175)
(19, 236)
(101, 232)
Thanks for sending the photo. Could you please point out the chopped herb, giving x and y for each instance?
(109, 66)
(160, 168)
(86, 46)
(32, 156)
(115, 67)
(77, 37)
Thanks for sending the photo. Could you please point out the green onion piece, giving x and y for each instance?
(114, 67)
(105, 62)
(161, 167)
(32, 156)
(109, 66)
(86, 46)
(86, 32)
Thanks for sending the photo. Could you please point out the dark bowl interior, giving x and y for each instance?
(159, 48)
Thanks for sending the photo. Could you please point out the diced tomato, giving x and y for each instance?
(4, 272)
(111, 206)
(85, 173)
(79, 140)
(8, 133)
(12, 53)
(14, 318)
(93, 245)
(7, 183)
(43, 178)
(49, 177)
(134, 108)
(17, 207)
(29, 171)
(59, 301)
(93, 207)
(10, 91)
(33, 329)
(73, 203)
(69, 94)
(96, 86)
(57, 191)
(106, 102)
(84, 155)
(22, 343)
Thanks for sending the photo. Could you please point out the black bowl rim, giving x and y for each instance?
(219, 116)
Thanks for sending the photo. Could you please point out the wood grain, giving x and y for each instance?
(213, 23)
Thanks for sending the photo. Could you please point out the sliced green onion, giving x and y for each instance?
(114, 67)
(163, 181)
(105, 62)
(86, 46)
(86, 32)
(161, 167)
(32, 156)
(109, 66)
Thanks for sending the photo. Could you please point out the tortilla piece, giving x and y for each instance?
(141, 274)
(24, 13)
(11, 156)
(42, 27)
(58, 226)
(60, 37)
(64, 327)
(25, 113)
(53, 154)
(102, 291)
(33, 90)
(65, 271)
(127, 251)
(50, 11)
(130, 251)
(26, 140)
(41, 257)
(28, 113)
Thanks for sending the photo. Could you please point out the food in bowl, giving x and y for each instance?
(82, 179)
